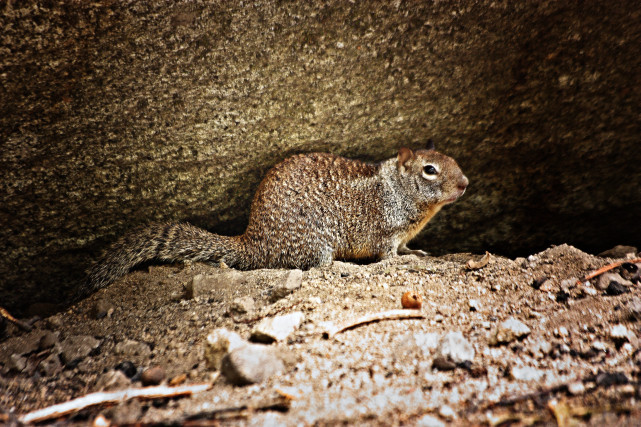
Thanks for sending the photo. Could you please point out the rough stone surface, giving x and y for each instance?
(428, 420)
(290, 281)
(218, 344)
(204, 285)
(75, 348)
(510, 330)
(619, 251)
(251, 364)
(606, 279)
(454, 347)
(526, 373)
(242, 305)
(50, 365)
(114, 114)
(17, 362)
(152, 376)
(277, 328)
(113, 379)
(132, 349)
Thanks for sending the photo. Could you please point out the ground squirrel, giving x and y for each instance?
(309, 210)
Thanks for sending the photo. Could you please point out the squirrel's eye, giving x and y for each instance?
(429, 170)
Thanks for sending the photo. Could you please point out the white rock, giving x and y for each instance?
(576, 388)
(277, 328)
(561, 332)
(619, 333)
(220, 342)
(288, 283)
(251, 364)
(508, 331)
(526, 373)
(428, 420)
(447, 412)
(474, 305)
(454, 347)
(427, 341)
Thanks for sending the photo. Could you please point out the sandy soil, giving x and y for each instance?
(579, 362)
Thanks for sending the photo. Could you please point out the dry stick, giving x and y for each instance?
(375, 317)
(4, 313)
(606, 268)
(110, 397)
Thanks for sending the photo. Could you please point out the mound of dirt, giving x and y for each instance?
(520, 340)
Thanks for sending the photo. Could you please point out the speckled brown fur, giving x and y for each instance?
(309, 210)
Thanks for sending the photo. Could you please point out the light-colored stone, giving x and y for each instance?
(218, 343)
(508, 331)
(77, 347)
(277, 328)
(131, 348)
(428, 420)
(576, 388)
(289, 282)
(205, 284)
(112, 380)
(454, 347)
(242, 305)
(447, 412)
(605, 279)
(17, 362)
(620, 333)
(526, 373)
(250, 364)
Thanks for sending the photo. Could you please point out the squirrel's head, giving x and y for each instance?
(435, 177)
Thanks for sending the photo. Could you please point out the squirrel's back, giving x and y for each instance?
(308, 210)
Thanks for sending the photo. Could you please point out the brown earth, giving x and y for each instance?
(572, 367)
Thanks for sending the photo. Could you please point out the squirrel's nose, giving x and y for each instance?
(462, 185)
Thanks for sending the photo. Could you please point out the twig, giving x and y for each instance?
(477, 265)
(99, 398)
(4, 313)
(606, 268)
(374, 317)
(279, 403)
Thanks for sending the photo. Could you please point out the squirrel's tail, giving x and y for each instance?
(163, 242)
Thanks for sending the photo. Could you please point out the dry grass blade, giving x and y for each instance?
(375, 317)
(99, 398)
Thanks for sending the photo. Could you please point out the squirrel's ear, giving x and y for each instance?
(404, 154)
(430, 144)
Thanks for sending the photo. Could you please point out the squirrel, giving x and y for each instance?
(309, 210)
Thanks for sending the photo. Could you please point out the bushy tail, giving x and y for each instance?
(163, 242)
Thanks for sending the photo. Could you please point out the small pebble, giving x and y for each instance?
(277, 328)
(242, 305)
(454, 347)
(576, 388)
(508, 331)
(251, 364)
(127, 368)
(428, 420)
(474, 305)
(447, 412)
(412, 300)
(616, 288)
(619, 333)
(152, 376)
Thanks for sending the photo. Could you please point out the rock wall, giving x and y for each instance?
(114, 114)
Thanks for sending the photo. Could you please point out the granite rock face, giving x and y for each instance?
(116, 114)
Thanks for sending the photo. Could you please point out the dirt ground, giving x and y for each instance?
(573, 358)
